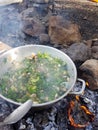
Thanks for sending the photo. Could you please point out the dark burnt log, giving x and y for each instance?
(89, 72)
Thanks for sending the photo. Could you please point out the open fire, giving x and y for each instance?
(72, 112)
(83, 112)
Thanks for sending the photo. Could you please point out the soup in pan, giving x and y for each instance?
(39, 77)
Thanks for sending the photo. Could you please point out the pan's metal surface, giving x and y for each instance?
(19, 53)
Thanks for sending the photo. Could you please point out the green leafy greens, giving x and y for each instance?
(40, 77)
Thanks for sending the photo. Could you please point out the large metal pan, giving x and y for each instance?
(19, 53)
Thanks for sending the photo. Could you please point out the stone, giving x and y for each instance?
(89, 72)
(88, 43)
(28, 13)
(94, 51)
(44, 38)
(37, 12)
(41, 1)
(62, 31)
(95, 43)
(33, 21)
(33, 27)
(78, 52)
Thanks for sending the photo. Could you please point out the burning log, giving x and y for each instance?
(89, 71)
(79, 115)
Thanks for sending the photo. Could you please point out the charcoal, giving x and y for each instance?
(5, 110)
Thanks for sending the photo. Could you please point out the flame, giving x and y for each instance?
(71, 119)
(77, 98)
(72, 122)
(95, 1)
(87, 84)
(87, 112)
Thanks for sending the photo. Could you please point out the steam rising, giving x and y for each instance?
(10, 26)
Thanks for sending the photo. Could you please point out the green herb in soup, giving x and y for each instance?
(40, 77)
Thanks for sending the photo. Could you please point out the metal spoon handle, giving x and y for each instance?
(18, 113)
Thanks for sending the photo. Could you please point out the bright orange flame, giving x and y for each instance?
(87, 84)
(95, 1)
(72, 122)
(87, 112)
(77, 98)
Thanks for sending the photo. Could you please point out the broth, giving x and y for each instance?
(39, 77)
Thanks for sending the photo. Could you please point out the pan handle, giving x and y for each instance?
(82, 88)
